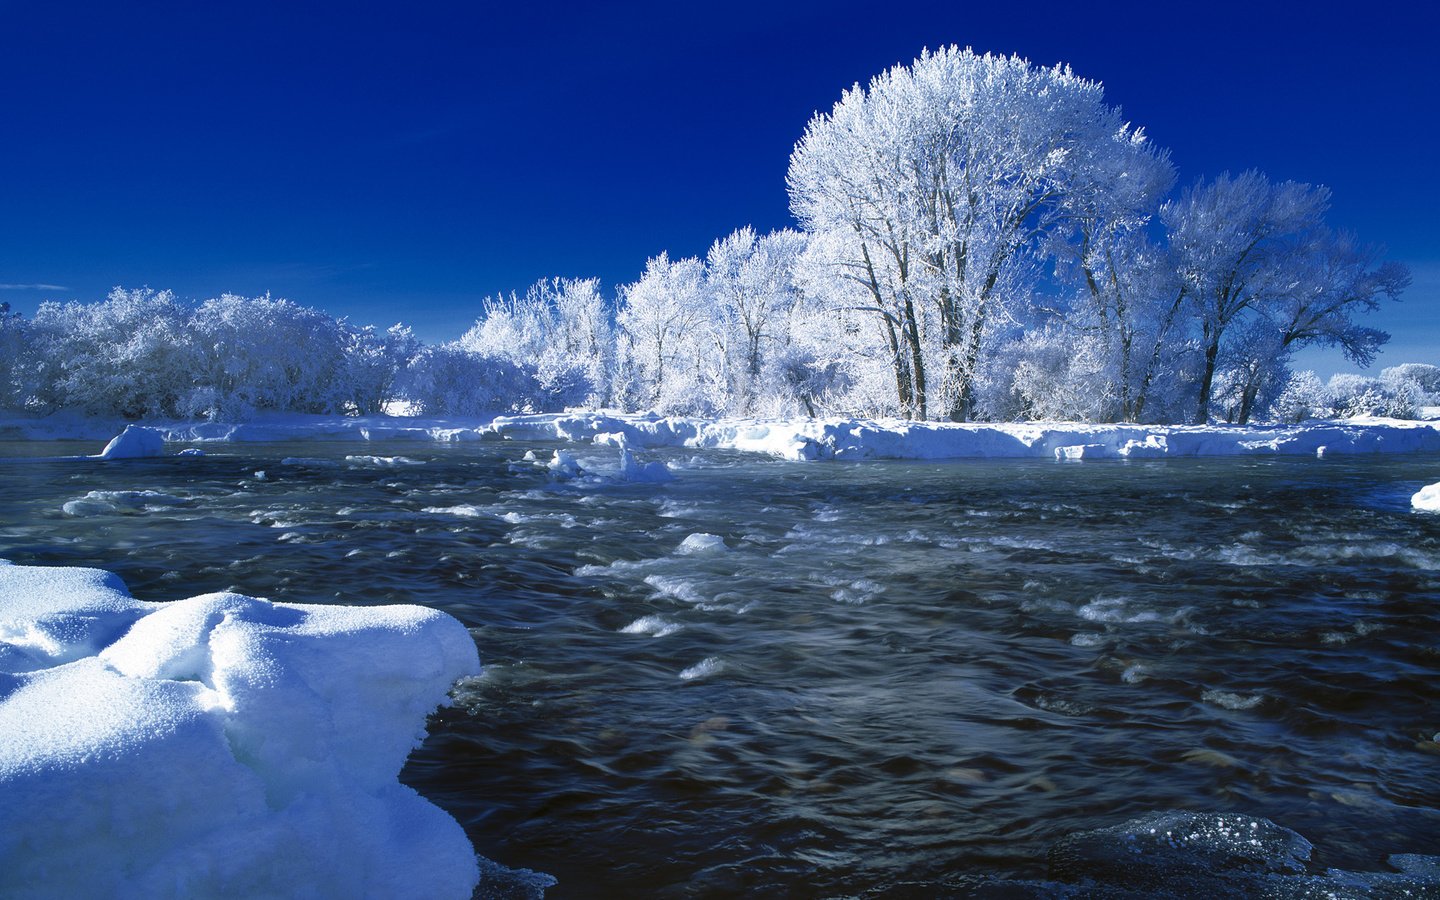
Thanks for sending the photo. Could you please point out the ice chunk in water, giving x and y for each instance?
(1427, 498)
(633, 470)
(134, 442)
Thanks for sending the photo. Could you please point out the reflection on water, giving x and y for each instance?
(774, 677)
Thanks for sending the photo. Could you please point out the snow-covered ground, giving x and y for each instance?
(218, 746)
(804, 439)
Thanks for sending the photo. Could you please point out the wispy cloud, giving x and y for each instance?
(33, 287)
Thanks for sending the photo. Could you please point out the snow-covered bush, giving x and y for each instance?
(129, 355)
(449, 380)
(1348, 395)
(1423, 379)
(1054, 374)
(264, 354)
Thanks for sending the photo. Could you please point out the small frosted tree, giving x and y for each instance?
(374, 360)
(1348, 395)
(668, 360)
(1302, 398)
(560, 331)
(14, 359)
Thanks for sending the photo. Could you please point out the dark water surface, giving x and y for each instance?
(890, 674)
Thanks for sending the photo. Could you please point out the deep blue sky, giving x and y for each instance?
(393, 163)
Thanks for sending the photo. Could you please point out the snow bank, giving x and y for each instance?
(809, 439)
(218, 746)
(1427, 498)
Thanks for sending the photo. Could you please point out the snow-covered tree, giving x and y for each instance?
(13, 359)
(450, 380)
(374, 360)
(1126, 310)
(560, 331)
(1233, 241)
(937, 181)
(751, 292)
(668, 359)
(1302, 398)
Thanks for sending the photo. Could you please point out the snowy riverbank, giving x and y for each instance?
(801, 439)
(218, 746)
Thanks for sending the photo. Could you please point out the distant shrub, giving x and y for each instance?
(1347, 396)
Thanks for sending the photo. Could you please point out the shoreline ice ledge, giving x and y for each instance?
(219, 745)
(804, 439)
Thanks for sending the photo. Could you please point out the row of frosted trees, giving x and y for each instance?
(980, 239)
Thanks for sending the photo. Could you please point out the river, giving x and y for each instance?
(770, 678)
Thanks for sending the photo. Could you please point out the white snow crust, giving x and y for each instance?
(807, 439)
(218, 746)
(1427, 498)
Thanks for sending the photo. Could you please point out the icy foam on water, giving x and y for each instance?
(707, 667)
(387, 462)
(463, 510)
(1118, 610)
(676, 588)
(1231, 700)
(654, 626)
(97, 503)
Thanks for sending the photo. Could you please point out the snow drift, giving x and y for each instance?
(218, 746)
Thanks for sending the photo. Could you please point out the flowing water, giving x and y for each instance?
(773, 678)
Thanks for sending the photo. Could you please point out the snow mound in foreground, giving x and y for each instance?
(1427, 498)
(218, 746)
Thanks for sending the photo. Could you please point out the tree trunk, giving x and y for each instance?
(1207, 380)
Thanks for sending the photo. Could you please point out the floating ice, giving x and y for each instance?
(563, 466)
(98, 503)
(218, 746)
(633, 470)
(1427, 498)
(134, 442)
